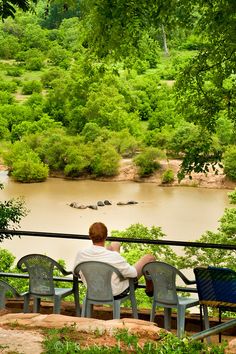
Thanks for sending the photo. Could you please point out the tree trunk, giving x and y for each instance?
(166, 50)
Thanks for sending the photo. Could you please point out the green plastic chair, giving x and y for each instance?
(4, 288)
(99, 290)
(41, 283)
(165, 295)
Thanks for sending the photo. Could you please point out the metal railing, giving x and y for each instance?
(199, 335)
(20, 233)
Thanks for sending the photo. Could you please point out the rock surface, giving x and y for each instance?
(21, 332)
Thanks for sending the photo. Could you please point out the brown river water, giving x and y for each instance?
(183, 213)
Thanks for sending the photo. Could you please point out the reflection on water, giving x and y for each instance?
(184, 213)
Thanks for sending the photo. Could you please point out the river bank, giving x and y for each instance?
(129, 172)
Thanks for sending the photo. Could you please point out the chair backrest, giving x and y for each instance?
(4, 288)
(216, 285)
(40, 269)
(98, 279)
(163, 276)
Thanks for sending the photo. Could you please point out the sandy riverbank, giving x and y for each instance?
(128, 172)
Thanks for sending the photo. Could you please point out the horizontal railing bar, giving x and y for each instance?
(26, 276)
(70, 279)
(121, 239)
(214, 330)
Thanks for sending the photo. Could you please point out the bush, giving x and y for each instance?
(14, 71)
(8, 86)
(11, 212)
(167, 176)
(31, 86)
(50, 75)
(30, 169)
(229, 161)
(147, 161)
(105, 161)
(6, 98)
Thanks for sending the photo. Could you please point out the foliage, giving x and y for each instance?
(68, 340)
(232, 197)
(125, 144)
(226, 234)
(8, 86)
(29, 169)
(133, 251)
(167, 176)
(229, 159)
(11, 213)
(116, 79)
(7, 260)
(31, 86)
(105, 161)
(147, 161)
(78, 160)
(8, 8)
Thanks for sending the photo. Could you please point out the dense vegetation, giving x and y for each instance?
(76, 106)
(68, 340)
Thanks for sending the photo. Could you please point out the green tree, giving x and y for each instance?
(78, 159)
(105, 161)
(133, 251)
(11, 213)
(29, 168)
(147, 161)
(226, 234)
(30, 87)
(229, 161)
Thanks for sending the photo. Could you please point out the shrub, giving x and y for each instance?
(50, 75)
(31, 86)
(30, 169)
(105, 161)
(167, 176)
(147, 161)
(229, 161)
(8, 86)
(11, 212)
(6, 98)
(14, 71)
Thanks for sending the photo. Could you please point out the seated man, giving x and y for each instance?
(98, 252)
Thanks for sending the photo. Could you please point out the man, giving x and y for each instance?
(98, 252)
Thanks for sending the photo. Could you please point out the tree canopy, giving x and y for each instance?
(91, 52)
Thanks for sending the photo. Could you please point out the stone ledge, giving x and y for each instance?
(20, 332)
(37, 320)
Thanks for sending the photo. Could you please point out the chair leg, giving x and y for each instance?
(167, 318)
(26, 303)
(77, 304)
(153, 311)
(206, 321)
(83, 313)
(180, 321)
(116, 309)
(2, 300)
(134, 306)
(219, 323)
(206, 318)
(88, 309)
(37, 301)
(36, 304)
(57, 304)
